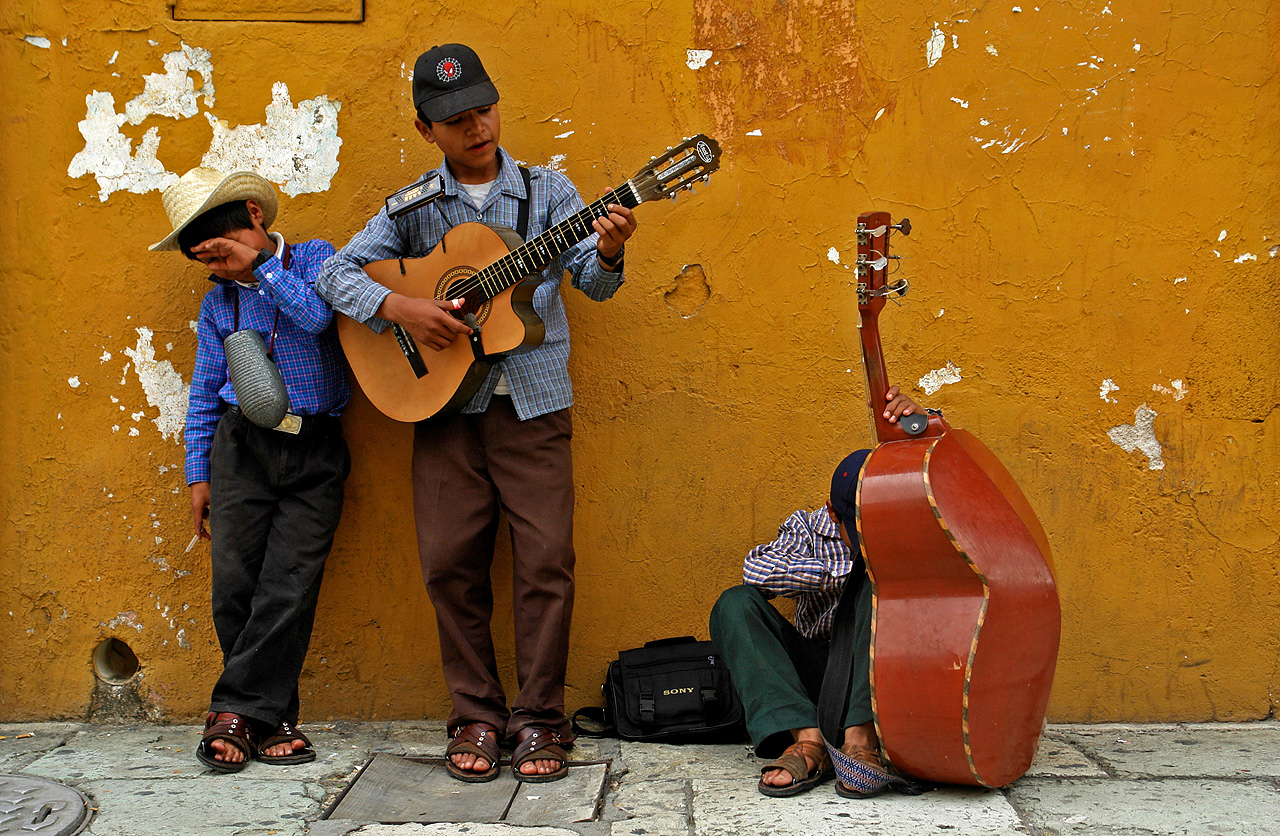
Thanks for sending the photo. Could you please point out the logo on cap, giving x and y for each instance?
(449, 69)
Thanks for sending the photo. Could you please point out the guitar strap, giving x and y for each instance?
(833, 701)
(522, 222)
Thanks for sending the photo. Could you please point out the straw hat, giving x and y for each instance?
(201, 189)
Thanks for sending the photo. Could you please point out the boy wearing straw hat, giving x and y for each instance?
(272, 494)
(509, 448)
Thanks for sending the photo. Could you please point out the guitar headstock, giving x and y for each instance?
(679, 168)
(873, 230)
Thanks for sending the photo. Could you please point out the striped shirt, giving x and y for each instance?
(539, 378)
(305, 349)
(808, 562)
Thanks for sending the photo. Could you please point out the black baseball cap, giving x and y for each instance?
(449, 79)
(844, 487)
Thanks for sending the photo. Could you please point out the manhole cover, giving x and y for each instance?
(34, 805)
(392, 789)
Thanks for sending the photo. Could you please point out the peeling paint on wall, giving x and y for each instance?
(934, 46)
(936, 379)
(1104, 391)
(108, 154)
(163, 385)
(296, 148)
(173, 94)
(697, 58)
(1140, 436)
(1179, 390)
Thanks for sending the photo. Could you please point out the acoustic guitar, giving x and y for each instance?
(495, 273)
(966, 620)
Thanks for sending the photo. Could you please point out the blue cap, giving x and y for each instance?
(844, 487)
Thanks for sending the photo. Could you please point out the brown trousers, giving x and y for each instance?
(466, 468)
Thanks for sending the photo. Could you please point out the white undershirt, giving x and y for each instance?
(478, 192)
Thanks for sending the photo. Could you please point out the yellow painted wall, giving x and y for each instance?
(1093, 187)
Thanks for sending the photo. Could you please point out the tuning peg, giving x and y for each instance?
(903, 226)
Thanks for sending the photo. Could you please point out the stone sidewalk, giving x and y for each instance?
(1137, 780)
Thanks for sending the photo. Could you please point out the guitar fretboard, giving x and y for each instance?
(533, 256)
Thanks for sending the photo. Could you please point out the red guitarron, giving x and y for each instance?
(495, 273)
(966, 622)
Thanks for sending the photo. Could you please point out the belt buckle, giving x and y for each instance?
(291, 424)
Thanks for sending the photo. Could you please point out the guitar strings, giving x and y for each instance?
(509, 266)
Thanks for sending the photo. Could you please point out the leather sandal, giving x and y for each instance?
(286, 732)
(479, 739)
(230, 728)
(794, 760)
(535, 743)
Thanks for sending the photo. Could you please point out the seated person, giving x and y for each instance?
(778, 668)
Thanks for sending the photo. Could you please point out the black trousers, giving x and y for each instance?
(275, 500)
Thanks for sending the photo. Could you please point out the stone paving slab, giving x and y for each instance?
(649, 807)
(22, 743)
(99, 753)
(1182, 751)
(1060, 759)
(1162, 807)
(730, 808)
(660, 761)
(148, 807)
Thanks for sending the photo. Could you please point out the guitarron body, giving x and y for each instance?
(966, 618)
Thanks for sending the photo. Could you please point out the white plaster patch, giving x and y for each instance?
(556, 163)
(936, 379)
(73, 382)
(1179, 390)
(297, 147)
(163, 385)
(1104, 391)
(125, 619)
(106, 355)
(756, 132)
(564, 135)
(114, 56)
(1180, 280)
(108, 154)
(1243, 257)
(1140, 436)
(173, 94)
(36, 40)
(960, 102)
(991, 50)
(833, 255)
(696, 59)
(934, 46)
(1222, 235)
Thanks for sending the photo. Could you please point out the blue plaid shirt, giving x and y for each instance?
(539, 378)
(305, 350)
(808, 562)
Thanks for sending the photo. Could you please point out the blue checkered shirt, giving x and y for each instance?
(808, 562)
(539, 378)
(305, 350)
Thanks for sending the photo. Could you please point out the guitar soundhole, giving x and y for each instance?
(459, 284)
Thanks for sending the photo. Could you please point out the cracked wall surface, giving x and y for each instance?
(1093, 290)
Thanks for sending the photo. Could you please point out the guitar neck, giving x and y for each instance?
(877, 375)
(534, 255)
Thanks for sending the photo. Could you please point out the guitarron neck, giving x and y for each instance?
(533, 256)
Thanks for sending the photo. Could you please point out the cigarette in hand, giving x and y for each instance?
(192, 544)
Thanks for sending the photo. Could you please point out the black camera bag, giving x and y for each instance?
(670, 691)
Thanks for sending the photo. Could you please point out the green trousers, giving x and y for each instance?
(778, 672)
